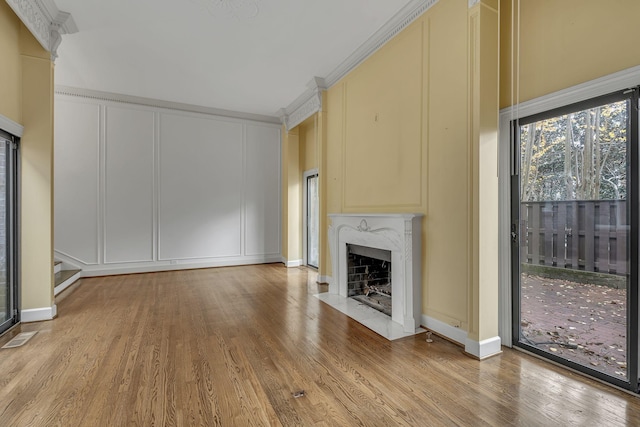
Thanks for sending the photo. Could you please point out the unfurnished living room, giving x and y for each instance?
(339, 212)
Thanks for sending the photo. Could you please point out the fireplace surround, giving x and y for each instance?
(401, 235)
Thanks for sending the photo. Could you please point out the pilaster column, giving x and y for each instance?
(483, 104)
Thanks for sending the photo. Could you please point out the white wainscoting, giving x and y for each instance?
(141, 188)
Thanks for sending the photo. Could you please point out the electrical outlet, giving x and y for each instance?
(173, 262)
(455, 323)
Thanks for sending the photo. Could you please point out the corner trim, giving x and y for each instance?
(10, 126)
(38, 314)
(157, 103)
(45, 21)
(483, 349)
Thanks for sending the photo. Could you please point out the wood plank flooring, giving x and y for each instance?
(229, 346)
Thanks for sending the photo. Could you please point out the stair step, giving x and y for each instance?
(57, 267)
(64, 279)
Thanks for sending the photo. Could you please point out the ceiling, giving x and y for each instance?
(249, 56)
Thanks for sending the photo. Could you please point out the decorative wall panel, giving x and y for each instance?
(140, 188)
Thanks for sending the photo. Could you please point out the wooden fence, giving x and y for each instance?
(587, 235)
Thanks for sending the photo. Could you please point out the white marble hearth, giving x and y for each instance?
(378, 322)
(401, 235)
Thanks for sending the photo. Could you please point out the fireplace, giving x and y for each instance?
(369, 277)
(398, 235)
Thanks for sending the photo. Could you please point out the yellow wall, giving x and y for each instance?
(291, 181)
(398, 141)
(565, 43)
(308, 144)
(26, 91)
(300, 152)
(11, 81)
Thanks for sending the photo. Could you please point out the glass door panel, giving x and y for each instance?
(8, 315)
(572, 223)
(313, 216)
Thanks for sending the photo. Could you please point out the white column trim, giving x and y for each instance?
(483, 349)
(45, 21)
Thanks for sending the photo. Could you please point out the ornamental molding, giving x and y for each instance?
(45, 21)
(304, 106)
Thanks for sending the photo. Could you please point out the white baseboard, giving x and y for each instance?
(450, 332)
(38, 314)
(481, 350)
(64, 285)
(293, 263)
(149, 267)
(484, 348)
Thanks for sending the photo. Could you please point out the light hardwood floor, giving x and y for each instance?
(229, 346)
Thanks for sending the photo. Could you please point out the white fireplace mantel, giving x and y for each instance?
(399, 233)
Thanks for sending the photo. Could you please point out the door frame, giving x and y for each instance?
(506, 163)
(13, 226)
(305, 202)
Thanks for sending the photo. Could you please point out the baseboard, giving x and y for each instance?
(483, 349)
(110, 270)
(64, 285)
(451, 333)
(293, 263)
(38, 314)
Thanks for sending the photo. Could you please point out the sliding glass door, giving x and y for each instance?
(8, 231)
(574, 231)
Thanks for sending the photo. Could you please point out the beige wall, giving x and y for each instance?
(398, 140)
(26, 96)
(11, 82)
(308, 144)
(564, 43)
(291, 181)
(300, 151)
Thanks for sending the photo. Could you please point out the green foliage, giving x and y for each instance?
(577, 156)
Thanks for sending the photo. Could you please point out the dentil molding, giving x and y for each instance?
(310, 101)
(45, 21)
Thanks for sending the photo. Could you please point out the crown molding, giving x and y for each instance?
(397, 23)
(310, 102)
(45, 21)
(306, 105)
(149, 102)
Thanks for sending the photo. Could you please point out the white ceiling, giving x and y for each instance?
(203, 53)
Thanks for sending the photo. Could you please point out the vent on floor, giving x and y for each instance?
(20, 339)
